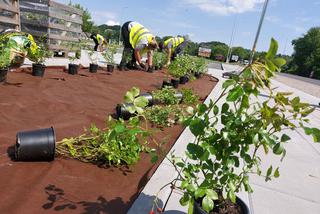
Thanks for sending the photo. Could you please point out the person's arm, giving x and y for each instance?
(150, 58)
(169, 57)
(137, 55)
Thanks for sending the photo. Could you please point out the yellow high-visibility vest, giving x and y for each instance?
(33, 46)
(137, 33)
(100, 38)
(176, 41)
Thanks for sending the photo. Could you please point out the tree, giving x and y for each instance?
(219, 50)
(87, 24)
(306, 57)
(241, 52)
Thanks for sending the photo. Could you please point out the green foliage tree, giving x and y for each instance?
(306, 57)
(87, 25)
(241, 52)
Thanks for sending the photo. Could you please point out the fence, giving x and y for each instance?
(9, 14)
(60, 23)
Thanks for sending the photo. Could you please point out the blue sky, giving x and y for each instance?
(212, 20)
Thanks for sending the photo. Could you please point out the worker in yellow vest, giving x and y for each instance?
(137, 41)
(99, 41)
(173, 46)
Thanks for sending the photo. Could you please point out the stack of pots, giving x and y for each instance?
(122, 109)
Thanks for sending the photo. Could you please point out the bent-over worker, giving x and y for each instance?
(99, 41)
(137, 41)
(173, 46)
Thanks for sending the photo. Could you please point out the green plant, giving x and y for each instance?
(93, 56)
(108, 54)
(75, 50)
(201, 65)
(42, 52)
(180, 66)
(159, 59)
(228, 138)
(165, 96)
(118, 143)
(4, 59)
(189, 97)
(167, 116)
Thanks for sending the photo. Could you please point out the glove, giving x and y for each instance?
(138, 67)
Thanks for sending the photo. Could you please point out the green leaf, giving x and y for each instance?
(119, 128)
(195, 151)
(235, 94)
(199, 193)
(272, 49)
(285, 138)
(207, 204)
(215, 110)
(190, 208)
(129, 98)
(314, 132)
(232, 196)
(276, 173)
(202, 108)
(228, 83)
(184, 200)
(245, 102)
(197, 127)
(212, 194)
(135, 91)
(154, 157)
(278, 149)
(269, 171)
(141, 102)
(279, 62)
(225, 108)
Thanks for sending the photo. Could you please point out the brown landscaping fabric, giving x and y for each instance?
(70, 103)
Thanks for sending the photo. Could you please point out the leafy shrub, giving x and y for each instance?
(119, 143)
(189, 97)
(159, 59)
(4, 59)
(108, 54)
(165, 96)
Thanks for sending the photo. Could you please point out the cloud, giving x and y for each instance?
(224, 7)
(272, 19)
(101, 17)
(112, 23)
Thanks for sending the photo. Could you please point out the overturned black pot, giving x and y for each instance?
(35, 145)
(198, 210)
(73, 69)
(38, 69)
(122, 111)
(110, 68)
(166, 84)
(93, 68)
(184, 79)
(175, 83)
(3, 74)
(148, 96)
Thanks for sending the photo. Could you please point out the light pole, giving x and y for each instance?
(259, 29)
(231, 39)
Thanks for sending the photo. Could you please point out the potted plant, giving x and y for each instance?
(93, 67)
(4, 64)
(229, 133)
(159, 60)
(201, 67)
(179, 68)
(108, 55)
(73, 56)
(39, 57)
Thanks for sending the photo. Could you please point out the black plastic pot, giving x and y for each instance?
(175, 83)
(35, 145)
(93, 68)
(198, 210)
(166, 84)
(73, 69)
(184, 79)
(110, 68)
(197, 75)
(38, 69)
(122, 111)
(150, 69)
(148, 96)
(3, 74)
(156, 67)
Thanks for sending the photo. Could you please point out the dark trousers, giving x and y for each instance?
(128, 49)
(178, 50)
(95, 42)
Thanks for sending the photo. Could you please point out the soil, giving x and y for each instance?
(70, 103)
(223, 206)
